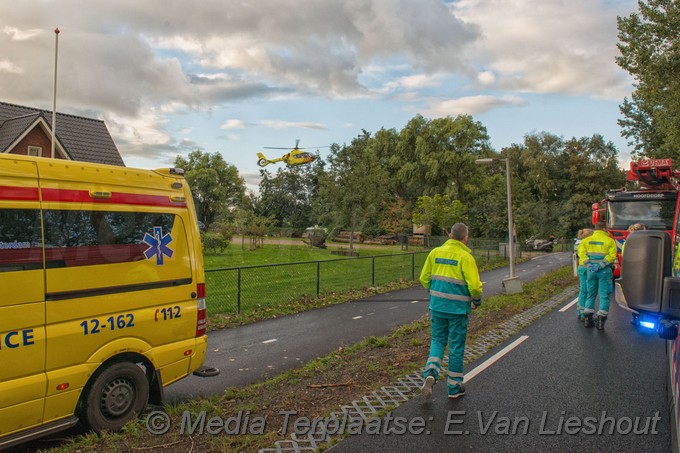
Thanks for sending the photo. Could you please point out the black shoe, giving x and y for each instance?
(600, 322)
(588, 320)
(461, 392)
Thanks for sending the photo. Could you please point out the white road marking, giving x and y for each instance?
(369, 314)
(490, 361)
(357, 317)
(568, 306)
(414, 301)
(269, 341)
(396, 306)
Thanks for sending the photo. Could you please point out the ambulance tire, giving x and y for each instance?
(118, 394)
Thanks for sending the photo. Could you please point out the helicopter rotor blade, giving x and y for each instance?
(297, 142)
(288, 148)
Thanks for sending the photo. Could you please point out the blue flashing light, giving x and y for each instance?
(647, 324)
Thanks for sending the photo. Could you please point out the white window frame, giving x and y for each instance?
(35, 149)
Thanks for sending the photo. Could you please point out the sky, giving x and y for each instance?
(172, 76)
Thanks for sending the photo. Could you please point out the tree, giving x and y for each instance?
(287, 195)
(437, 156)
(404, 166)
(554, 182)
(592, 165)
(215, 185)
(255, 227)
(650, 52)
(448, 149)
(397, 217)
(356, 188)
(439, 211)
(487, 211)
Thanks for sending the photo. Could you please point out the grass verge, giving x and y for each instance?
(306, 302)
(314, 390)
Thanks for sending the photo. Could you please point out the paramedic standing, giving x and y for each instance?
(598, 253)
(582, 274)
(450, 274)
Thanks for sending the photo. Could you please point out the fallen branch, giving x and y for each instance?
(159, 446)
(321, 386)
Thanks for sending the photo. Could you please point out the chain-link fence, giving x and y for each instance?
(241, 289)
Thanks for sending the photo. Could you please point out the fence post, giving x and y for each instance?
(238, 291)
(413, 266)
(318, 278)
(373, 271)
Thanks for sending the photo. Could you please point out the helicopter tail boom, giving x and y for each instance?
(262, 161)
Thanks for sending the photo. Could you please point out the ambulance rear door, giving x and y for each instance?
(22, 290)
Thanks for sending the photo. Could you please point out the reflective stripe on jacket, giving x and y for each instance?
(599, 248)
(450, 273)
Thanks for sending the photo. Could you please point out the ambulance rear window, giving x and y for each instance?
(85, 238)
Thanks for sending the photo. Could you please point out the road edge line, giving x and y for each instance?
(494, 358)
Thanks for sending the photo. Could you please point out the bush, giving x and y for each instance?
(223, 229)
(215, 243)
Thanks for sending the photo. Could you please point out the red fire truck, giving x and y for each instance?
(653, 204)
(649, 285)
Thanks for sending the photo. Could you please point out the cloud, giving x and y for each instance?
(470, 105)
(143, 137)
(415, 81)
(548, 47)
(136, 64)
(95, 71)
(16, 34)
(233, 124)
(9, 67)
(486, 77)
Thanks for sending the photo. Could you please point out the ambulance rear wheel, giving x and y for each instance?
(118, 394)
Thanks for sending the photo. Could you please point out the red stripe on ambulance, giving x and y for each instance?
(19, 193)
(83, 196)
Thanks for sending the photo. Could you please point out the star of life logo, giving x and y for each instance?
(158, 245)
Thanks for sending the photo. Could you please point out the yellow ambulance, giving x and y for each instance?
(102, 293)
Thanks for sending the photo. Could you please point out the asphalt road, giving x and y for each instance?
(606, 380)
(250, 353)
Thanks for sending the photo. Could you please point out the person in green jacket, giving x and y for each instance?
(582, 275)
(450, 274)
(598, 253)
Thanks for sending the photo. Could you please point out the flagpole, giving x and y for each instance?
(54, 93)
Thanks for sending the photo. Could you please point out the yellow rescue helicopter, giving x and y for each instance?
(292, 158)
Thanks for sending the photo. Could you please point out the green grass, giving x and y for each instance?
(264, 287)
(279, 275)
(235, 256)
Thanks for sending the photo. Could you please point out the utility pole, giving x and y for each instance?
(54, 92)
